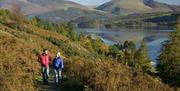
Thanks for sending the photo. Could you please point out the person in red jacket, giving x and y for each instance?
(45, 60)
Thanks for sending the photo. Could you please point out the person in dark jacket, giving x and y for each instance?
(58, 66)
(45, 60)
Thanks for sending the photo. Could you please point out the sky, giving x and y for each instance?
(99, 2)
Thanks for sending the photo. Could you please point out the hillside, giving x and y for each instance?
(54, 10)
(26, 7)
(87, 67)
(136, 6)
(71, 14)
(57, 4)
(148, 20)
(33, 7)
(60, 11)
(124, 6)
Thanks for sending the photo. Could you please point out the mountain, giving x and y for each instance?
(161, 7)
(124, 6)
(26, 7)
(136, 6)
(31, 7)
(64, 10)
(54, 10)
(70, 14)
(57, 4)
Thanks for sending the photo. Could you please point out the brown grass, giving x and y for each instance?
(111, 76)
(17, 65)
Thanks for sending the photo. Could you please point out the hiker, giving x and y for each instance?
(45, 60)
(58, 66)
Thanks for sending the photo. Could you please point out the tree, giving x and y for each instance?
(169, 59)
(113, 51)
(129, 49)
(142, 59)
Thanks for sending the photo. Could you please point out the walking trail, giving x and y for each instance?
(52, 86)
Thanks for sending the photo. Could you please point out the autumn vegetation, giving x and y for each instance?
(169, 60)
(91, 65)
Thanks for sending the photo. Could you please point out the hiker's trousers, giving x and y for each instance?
(45, 73)
(57, 75)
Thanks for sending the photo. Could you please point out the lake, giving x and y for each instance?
(154, 38)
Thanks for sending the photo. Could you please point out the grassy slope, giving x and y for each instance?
(18, 48)
(19, 69)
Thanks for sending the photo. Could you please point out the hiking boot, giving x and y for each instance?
(47, 83)
(44, 82)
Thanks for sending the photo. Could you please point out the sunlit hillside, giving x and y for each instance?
(90, 64)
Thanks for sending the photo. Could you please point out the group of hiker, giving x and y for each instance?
(45, 60)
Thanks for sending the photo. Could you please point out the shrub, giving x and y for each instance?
(55, 41)
(70, 51)
(36, 52)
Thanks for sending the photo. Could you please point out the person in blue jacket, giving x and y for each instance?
(58, 66)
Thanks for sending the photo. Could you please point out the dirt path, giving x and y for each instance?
(52, 86)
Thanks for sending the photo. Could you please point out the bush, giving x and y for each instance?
(55, 41)
(36, 52)
(70, 51)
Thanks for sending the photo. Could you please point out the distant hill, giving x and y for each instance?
(40, 6)
(65, 11)
(57, 4)
(124, 6)
(70, 14)
(136, 6)
(54, 10)
(26, 7)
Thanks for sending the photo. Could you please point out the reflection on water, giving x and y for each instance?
(154, 38)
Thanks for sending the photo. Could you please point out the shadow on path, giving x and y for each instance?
(52, 86)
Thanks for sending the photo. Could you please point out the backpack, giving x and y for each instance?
(57, 62)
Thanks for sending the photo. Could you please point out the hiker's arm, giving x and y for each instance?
(62, 64)
(50, 59)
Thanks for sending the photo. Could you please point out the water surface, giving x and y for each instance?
(153, 38)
